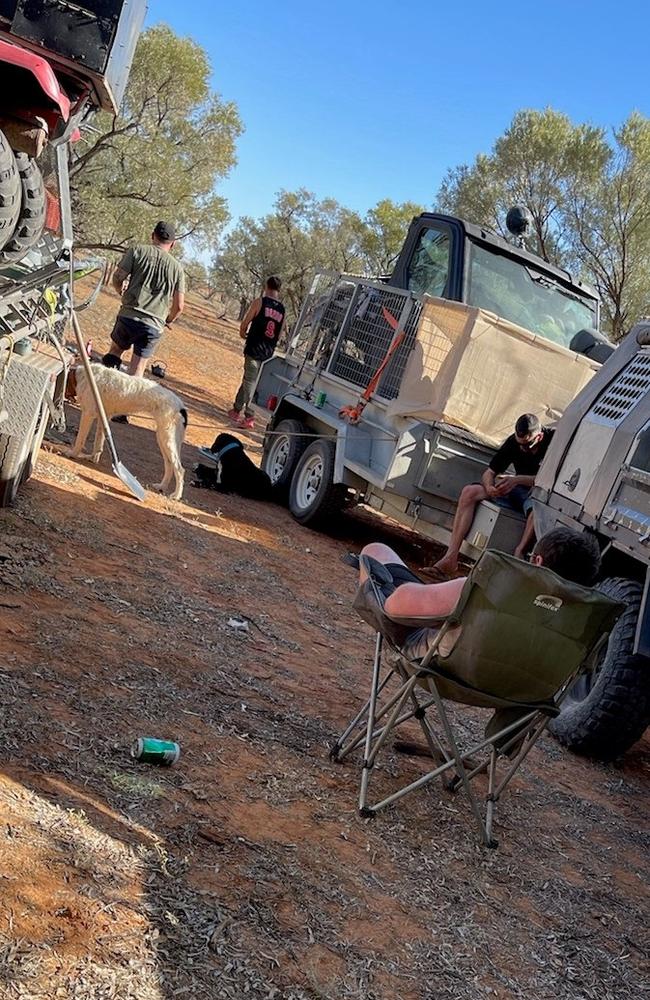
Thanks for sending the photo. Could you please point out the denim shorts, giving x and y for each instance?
(142, 337)
(518, 499)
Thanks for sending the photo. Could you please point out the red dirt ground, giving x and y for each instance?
(245, 871)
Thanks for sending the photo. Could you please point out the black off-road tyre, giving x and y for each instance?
(283, 452)
(606, 719)
(314, 499)
(31, 218)
(10, 191)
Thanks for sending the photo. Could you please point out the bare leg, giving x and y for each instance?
(137, 365)
(469, 498)
(382, 553)
(116, 350)
(527, 538)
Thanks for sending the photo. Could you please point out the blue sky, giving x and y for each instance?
(362, 101)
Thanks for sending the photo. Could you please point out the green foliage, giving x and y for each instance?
(382, 232)
(303, 235)
(161, 156)
(588, 197)
(300, 236)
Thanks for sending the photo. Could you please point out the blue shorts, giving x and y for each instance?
(518, 499)
(142, 337)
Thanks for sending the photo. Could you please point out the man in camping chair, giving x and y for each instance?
(573, 556)
(511, 638)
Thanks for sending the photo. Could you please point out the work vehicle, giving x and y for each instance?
(401, 418)
(59, 62)
(596, 477)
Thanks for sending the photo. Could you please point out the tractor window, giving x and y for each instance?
(429, 267)
(511, 290)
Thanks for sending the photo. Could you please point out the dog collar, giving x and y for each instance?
(228, 447)
(213, 458)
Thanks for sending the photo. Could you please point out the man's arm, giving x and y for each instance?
(122, 271)
(489, 482)
(252, 312)
(119, 277)
(178, 304)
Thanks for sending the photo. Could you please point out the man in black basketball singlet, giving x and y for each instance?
(260, 328)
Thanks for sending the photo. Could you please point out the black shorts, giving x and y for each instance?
(402, 574)
(142, 337)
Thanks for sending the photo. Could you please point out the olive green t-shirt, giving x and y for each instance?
(155, 277)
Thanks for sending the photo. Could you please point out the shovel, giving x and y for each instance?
(120, 470)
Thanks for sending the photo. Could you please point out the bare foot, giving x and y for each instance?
(519, 553)
(444, 567)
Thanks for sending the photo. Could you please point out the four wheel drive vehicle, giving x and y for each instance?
(468, 333)
(596, 477)
(59, 61)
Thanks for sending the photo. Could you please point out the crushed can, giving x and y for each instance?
(152, 751)
(320, 400)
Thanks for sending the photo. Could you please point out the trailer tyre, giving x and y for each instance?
(314, 499)
(31, 217)
(282, 450)
(607, 712)
(10, 190)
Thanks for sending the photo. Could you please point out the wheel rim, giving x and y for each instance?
(309, 482)
(278, 457)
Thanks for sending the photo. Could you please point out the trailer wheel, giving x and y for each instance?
(10, 189)
(282, 449)
(31, 217)
(18, 456)
(607, 711)
(314, 498)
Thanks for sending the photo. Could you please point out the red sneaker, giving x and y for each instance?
(234, 415)
(247, 423)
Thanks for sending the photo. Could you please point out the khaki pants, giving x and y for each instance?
(245, 391)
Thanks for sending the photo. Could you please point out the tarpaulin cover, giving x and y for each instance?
(472, 369)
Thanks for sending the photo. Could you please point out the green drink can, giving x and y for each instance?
(151, 751)
(320, 400)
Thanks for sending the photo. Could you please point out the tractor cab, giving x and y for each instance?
(452, 259)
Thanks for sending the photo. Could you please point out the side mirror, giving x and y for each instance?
(593, 345)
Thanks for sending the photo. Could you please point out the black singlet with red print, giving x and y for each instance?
(264, 331)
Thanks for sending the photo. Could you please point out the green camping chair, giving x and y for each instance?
(514, 644)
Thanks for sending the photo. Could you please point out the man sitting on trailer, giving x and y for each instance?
(570, 554)
(523, 451)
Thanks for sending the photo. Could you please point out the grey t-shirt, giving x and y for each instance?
(155, 277)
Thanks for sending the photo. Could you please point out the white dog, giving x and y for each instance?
(124, 395)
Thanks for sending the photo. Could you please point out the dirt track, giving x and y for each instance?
(245, 871)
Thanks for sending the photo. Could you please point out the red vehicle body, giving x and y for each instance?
(59, 62)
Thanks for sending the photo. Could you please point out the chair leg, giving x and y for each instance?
(340, 749)
(372, 706)
(521, 756)
(490, 800)
(371, 750)
(460, 767)
(436, 748)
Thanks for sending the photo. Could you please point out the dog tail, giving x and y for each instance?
(183, 413)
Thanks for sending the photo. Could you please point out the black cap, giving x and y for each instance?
(165, 232)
